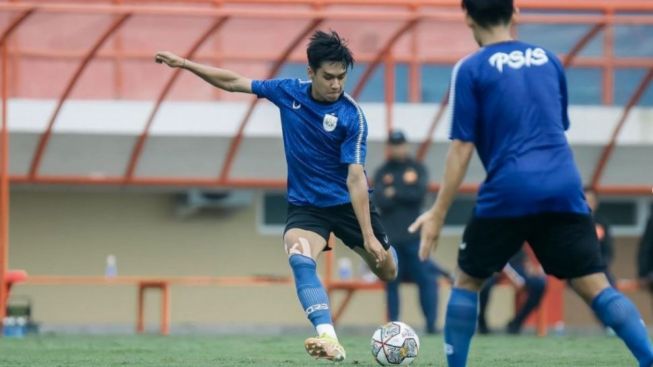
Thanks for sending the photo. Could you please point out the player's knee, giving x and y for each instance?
(589, 286)
(387, 276)
(388, 273)
(465, 281)
(295, 245)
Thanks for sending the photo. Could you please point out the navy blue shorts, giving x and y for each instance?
(564, 243)
(339, 219)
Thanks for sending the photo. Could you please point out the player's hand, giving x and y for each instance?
(170, 59)
(430, 225)
(373, 246)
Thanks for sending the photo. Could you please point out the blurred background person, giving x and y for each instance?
(400, 186)
(603, 233)
(525, 275)
(645, 256)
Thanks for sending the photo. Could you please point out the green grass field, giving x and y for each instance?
(97, 351)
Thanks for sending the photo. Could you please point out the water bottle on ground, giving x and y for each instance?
(14, 327)
(111, 270)
(345, 271)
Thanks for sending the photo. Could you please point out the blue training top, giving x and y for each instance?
(510, 100)
(320, 140)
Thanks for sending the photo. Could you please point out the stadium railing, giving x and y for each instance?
(164, 284)
(13, 277)
(160, 284)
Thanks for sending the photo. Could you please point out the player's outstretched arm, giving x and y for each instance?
(431, 222)
(360, 200)
(221, 78)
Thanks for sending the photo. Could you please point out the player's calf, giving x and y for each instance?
(617, 312)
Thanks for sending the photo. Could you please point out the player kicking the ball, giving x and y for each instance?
(324, 135)
(509, 101)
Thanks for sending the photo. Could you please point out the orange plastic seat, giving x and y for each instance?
(14, 276)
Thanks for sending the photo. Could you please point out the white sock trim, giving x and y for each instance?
(326, 329)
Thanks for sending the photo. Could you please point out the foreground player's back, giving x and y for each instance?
(510, 99)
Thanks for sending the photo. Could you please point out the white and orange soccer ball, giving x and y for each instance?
(395, 344)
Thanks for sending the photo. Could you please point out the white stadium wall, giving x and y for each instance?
(190, 139)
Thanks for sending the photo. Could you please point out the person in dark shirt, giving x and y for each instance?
(400, 186)
(645, 256)
(524, 275)
(603, 233)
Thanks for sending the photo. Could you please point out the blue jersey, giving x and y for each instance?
(320, 139)
(510, 100)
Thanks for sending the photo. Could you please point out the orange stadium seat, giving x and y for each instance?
(13, 277)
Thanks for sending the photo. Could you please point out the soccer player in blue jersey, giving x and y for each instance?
(509, 102)
(324, 135)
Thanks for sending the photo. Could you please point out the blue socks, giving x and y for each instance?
(460, 325)
(619, 313)
(310, 291)
(610, 306)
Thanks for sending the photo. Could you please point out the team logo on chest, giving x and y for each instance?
(329, 122)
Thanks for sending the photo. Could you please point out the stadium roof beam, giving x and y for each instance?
(367, 14)
(536, 4)
(428, 139)
(4, 164)
(606, 153)
(387, 47)
(150, 181)
(45, 137)
(582, 61)
(567, 60)
(249, 183)
(236, 140)
(386, 52)
(578, 47)
(140, 143)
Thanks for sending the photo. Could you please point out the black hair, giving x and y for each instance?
(488, 13)
(328, 47)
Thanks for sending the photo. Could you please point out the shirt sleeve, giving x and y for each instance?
(354, 149)
(270, 89)
(463, 104)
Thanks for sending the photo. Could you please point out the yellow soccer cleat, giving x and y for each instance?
(325, 347)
